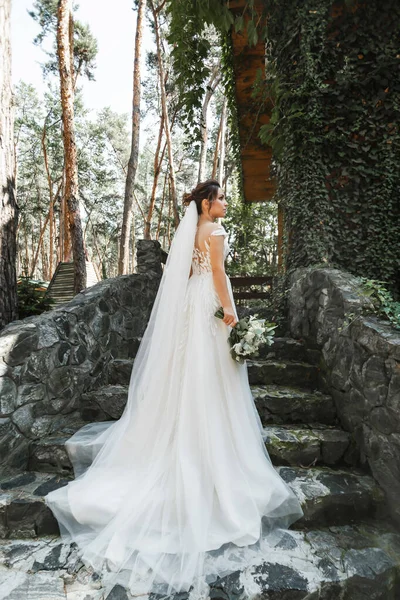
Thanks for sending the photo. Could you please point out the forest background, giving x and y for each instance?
(198, 149)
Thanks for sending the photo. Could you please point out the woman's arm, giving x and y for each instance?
(219, 278)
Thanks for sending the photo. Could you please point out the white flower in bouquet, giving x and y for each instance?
(247, 348)
(237, 348)
(248, 335)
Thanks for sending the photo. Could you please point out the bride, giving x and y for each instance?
(181, 489)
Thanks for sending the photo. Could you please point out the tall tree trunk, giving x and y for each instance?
(123, 263)
(161, 209)
(222, 144)
(158, 160)
(44, 256)
(65, 245)
(169, 213)
(51, 195)
(42, 229)
(61, 220)
(210, 89)
(157, 167)
(100, 257)
(215, 159)
(65, 63)
(8, 206)
(26, 268)
(217, 145)
(167, 127)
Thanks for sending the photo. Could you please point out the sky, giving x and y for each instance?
(115, 33)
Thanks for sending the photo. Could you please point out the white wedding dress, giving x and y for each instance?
(181, 489)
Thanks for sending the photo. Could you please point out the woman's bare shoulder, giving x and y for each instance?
(210, 231)
(209, 228)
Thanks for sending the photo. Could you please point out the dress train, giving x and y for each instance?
(181, 489)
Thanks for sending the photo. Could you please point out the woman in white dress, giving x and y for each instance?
(180, 490)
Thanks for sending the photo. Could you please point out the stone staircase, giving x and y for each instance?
(345, 547)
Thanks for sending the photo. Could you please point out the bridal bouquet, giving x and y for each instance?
(248, 335)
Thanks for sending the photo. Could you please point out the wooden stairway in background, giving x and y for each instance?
(61, 286)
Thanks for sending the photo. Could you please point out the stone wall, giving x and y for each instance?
(361, 365)
(48, 361)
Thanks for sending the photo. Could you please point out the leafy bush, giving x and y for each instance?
(31, 300)
(385, 305)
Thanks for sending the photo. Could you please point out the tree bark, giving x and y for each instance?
(9, 207)
(42, 229)
(133, 242)
(215, 160)
(26, 267)
(168, 230)
(222, 144)
(167, 127)
(216, 150)
(157, 168)
(123, 263)
(65, 63)
(210, 89)
(158, 160)
(162, 208)
(51, 195)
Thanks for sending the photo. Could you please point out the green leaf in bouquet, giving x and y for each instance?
(219, 313)
(242, 324)
(234, 336)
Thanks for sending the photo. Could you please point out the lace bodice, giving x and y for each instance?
(201, 263)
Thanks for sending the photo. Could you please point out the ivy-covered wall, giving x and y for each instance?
(334, 74)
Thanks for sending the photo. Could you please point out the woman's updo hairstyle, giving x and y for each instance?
(205, 190)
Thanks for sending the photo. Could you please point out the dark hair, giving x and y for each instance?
(204, 190)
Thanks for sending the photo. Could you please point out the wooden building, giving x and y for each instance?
(256, 157)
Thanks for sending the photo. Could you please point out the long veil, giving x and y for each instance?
(154, 360)
(142, 508)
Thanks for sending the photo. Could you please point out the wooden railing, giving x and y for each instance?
(249, 282)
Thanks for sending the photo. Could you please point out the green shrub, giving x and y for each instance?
(31, 300)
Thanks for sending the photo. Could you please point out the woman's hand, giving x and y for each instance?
(229, 316)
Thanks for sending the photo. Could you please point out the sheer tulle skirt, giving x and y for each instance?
(181, 489)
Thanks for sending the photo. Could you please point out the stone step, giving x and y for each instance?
(308, 445)
(299, 381)
(287, 348)
(293, 445)
(347, 562)
(334, 496)
(23, 512)
(283, 349)
(328, 497)
(281, 404)
(283, 372)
